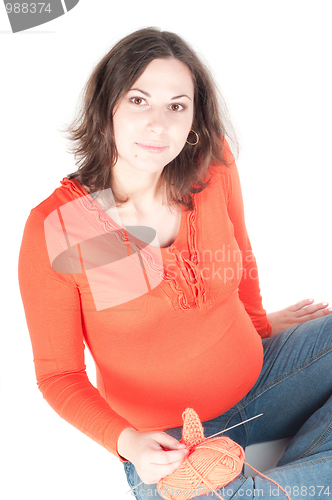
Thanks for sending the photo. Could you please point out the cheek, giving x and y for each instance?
(123, 126)
(182, 132)
(119, 122)
(186, 127)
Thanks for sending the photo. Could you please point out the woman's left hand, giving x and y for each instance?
(305, 310)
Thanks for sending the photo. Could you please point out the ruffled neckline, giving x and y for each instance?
(189, 267)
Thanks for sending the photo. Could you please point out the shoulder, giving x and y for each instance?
(223, 182)
(68, 191)
(223, 175)
(39, 222)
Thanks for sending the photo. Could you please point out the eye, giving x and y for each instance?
(177, 107)
(138, 100)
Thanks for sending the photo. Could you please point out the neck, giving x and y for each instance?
(142, 188)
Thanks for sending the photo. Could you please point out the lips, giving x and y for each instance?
(152, 147)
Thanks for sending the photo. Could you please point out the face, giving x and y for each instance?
(152, 121)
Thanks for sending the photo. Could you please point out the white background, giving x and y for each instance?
(272, 60)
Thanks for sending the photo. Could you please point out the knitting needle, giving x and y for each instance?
(228, 429)
(131, 489)
(213, 435)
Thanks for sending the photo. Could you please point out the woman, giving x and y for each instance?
(143, 253)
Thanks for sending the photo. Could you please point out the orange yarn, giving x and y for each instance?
(211, 464)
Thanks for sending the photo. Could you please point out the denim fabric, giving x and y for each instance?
(294, 393)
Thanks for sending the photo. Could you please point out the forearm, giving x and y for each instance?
(125, 443)
(250, 294)
(77, 401)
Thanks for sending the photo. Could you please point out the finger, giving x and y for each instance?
(169, 457)
(317, 314)
(300, 305)
(161, 471)
(167, 441)
(310, 310)
(169, 469)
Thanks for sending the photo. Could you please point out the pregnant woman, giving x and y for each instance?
(142, 255)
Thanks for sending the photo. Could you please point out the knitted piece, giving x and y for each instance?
(210, 465)
(192, 431)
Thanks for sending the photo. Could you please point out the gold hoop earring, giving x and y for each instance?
(197, 138)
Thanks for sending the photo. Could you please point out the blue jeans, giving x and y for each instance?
(294, 392)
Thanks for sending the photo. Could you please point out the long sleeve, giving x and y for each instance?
(249, 290)
(53, 313)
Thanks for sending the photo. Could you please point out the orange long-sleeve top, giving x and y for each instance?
(168, 328)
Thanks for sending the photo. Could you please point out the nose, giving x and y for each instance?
(156, 121)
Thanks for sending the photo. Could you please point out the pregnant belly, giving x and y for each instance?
(209, 374)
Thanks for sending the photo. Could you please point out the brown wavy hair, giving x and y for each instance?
(92, 130)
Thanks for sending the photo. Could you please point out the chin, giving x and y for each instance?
(150, 169)
(150, 166)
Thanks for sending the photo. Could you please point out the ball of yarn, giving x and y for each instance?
(210, 465)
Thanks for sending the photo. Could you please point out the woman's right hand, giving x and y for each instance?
(154, 454)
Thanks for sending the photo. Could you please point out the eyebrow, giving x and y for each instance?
(149, 95)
